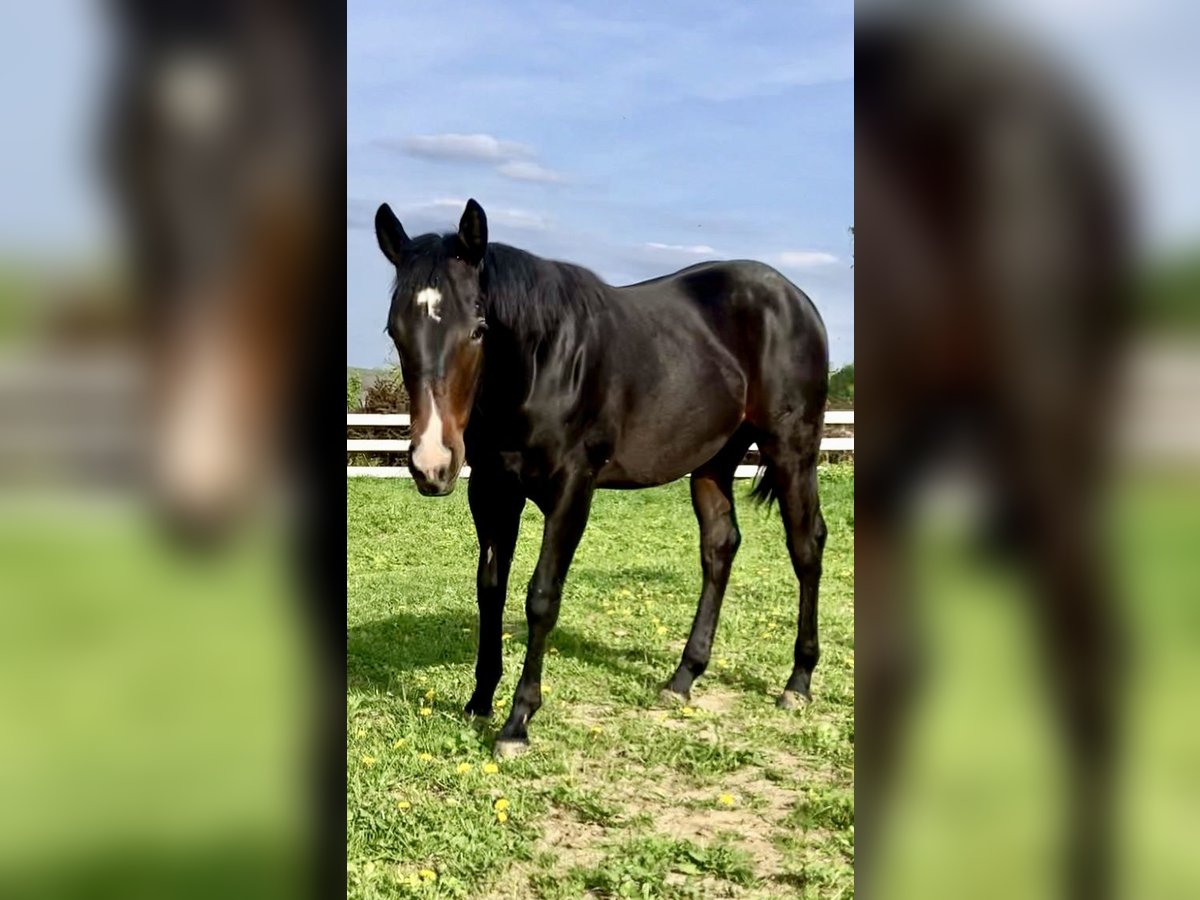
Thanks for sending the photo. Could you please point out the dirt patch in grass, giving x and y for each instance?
(681, 810)
(714, 698)
(574, 842)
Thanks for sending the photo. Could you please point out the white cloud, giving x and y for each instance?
(449, 209)
(516, 161)
(520, 218)
(523, 170)
(691, 249)
(806, 259)
(463, 147)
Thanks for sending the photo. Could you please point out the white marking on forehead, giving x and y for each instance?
(431, 454)
(431, 299)
(195, 92)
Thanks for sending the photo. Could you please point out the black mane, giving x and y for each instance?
(532, 296)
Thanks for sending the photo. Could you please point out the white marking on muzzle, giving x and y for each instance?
(431, 453)
(431, 299)
(199, 454)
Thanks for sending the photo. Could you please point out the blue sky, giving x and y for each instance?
(631, 138)
(722, 126)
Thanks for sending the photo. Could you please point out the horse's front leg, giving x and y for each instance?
(496, 504)
(566, 517)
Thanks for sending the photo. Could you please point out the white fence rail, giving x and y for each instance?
(400, 445)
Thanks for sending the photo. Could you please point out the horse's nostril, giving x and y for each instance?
(441, 474)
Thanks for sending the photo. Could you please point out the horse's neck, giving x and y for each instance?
(514, 393)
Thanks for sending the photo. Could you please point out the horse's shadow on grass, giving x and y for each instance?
(379, 653)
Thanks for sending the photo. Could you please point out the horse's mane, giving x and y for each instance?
(533, 296)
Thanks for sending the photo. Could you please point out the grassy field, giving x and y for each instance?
(726, 797)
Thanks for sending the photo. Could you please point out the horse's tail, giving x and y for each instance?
(766, 485)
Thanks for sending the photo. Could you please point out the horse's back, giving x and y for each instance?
(774, 331)
(705, 350)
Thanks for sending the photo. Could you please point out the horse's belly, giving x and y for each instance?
(660, 444)
(646, 467)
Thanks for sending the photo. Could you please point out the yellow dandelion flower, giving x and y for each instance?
(596, 729)
(403, 804)
(661, 629)
(506, 636)
(546, 689)
(429, 694)
(426, 757)
(368, 760)
(501, 817)
(400, 742)
(490, 768)
(426, 711)
(722, 664)
(428, 875)
(687, 711)
(462, 768)
(500, 805)
(726, 800)
(360, 732)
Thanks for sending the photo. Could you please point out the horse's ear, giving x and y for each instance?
(472, 233)
(390, 233)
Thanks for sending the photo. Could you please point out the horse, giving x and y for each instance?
(223, 153)
(994, 299)
(223, 159)
(552, 384)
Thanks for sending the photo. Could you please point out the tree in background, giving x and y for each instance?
(841, 387)
(385, 393)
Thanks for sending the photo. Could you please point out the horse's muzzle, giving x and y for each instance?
(437, 483)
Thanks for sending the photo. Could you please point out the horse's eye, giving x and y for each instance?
(478, 330)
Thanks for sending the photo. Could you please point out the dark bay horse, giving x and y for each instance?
(550, 384)
(995, 259)
(222, 151)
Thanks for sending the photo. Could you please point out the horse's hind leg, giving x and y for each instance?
(1058, 483)
(793, 474)
(712, 499)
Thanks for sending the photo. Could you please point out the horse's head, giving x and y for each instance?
(436, 321)
(219, 153)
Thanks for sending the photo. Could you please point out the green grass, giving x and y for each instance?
(980, 808)
(727, 797)
(154, 709)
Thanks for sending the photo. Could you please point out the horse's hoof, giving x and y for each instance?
(668, 697)
(792, 700)
(470, 712)
(508, 749)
